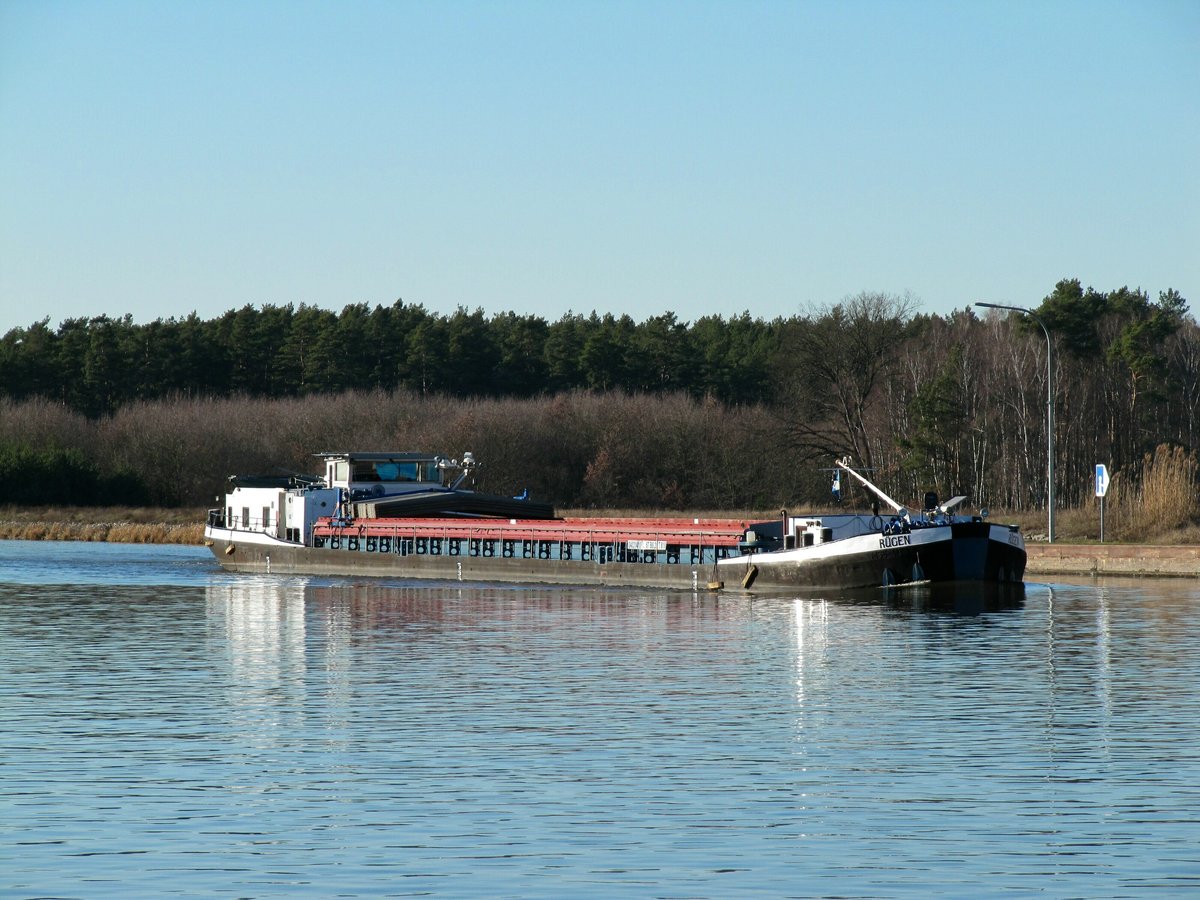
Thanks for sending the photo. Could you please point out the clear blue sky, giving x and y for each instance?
(159, 158)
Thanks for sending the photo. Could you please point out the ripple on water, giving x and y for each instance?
(258, 736)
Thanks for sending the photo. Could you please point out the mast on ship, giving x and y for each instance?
(844, 464)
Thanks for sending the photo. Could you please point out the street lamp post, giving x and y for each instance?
(1049, 411)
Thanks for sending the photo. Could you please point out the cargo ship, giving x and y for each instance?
(419, 516)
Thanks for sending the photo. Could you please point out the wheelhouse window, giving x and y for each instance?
(393, 471)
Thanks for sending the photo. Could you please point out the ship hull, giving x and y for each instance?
(961, 552)
(281, 558)
(970, 552)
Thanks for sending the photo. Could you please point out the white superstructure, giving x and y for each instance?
(267, 509)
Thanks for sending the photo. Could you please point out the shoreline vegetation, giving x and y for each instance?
(104, 524)
(608, 413)
(111, 431)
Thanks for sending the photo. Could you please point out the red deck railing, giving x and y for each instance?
(674, 531)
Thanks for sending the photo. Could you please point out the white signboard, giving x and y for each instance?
(1101, 479)
(646, 545)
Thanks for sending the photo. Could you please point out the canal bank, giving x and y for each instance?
(1059, 558)
(1113, 559)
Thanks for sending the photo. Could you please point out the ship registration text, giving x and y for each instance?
(894, 540)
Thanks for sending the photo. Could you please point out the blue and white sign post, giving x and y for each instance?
(1101, 490)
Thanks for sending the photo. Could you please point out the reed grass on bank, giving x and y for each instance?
(112, 524)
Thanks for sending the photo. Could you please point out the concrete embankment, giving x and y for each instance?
(1113, 559)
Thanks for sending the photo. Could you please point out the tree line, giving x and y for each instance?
(95, 366)
(720, 413)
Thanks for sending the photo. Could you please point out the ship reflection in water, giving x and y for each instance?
(288, 637)
(967, 599)
(267, 621)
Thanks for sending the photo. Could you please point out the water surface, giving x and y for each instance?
(171, 730)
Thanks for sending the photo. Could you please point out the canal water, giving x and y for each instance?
(167, 729)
